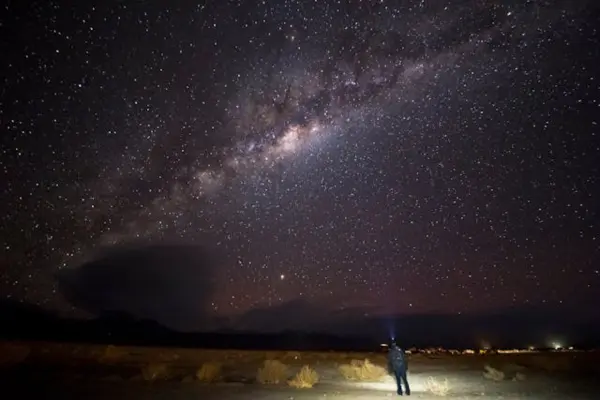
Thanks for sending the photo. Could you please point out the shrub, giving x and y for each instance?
(436, 387)
(209, 372)
(305, 379)
(112, 354)
(493, 373)
(154, 371)
(292, 355)
(362, 371)
(519, 376)
(272, 372)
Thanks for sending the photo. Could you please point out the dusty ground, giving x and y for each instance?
(43, 370)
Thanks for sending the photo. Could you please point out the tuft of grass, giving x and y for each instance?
(493, 374)
(519, 376)
(365, 370)
(112, 354)
(292, 355)
(154, 371)
(305, 379)
(209, 372)
(438, 388)
(272, 372)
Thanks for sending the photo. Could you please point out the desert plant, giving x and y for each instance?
(154, 371)
(112, 354)
(519, 376)
(493, 374)
(305, 379)
(209, 372)
(292, 355)
(273, 372)
(436, 387)
(365, 370)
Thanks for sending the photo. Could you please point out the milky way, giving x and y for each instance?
(403, 158)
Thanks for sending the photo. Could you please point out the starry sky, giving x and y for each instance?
(396, 157)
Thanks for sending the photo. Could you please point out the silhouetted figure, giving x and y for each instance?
(399, 366)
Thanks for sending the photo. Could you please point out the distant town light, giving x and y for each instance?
(557, 346)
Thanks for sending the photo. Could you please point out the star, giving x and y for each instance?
(379, 158)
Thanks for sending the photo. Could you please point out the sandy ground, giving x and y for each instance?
(42, 370)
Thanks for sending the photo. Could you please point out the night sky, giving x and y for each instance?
(410, 157)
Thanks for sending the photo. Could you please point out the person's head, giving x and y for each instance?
(394, 346)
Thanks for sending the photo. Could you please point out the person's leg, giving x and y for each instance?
(398, 375)
(405, 380)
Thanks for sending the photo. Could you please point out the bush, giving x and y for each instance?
(154, 371)
(305, 379)
(519, 376)
(272, 372)
(113, 354)
(438, 388)
(493, 374)
(209, 372)
(362, 371)
(292, 355)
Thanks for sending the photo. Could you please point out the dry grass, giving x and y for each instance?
(154, 371)
(209, 372)
(168, 356)
(245, 363)
(519, 376)
(305, 379)
(292, 355)
(272, 372)
(113, 354)
(438, 388)
(493, 374)
(365, 370)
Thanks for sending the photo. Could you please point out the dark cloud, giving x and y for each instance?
(171, 284)
(417, 157)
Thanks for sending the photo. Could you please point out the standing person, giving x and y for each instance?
(399, 366)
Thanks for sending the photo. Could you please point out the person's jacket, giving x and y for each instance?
(397, 360)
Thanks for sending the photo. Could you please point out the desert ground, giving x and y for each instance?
(72, 371)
